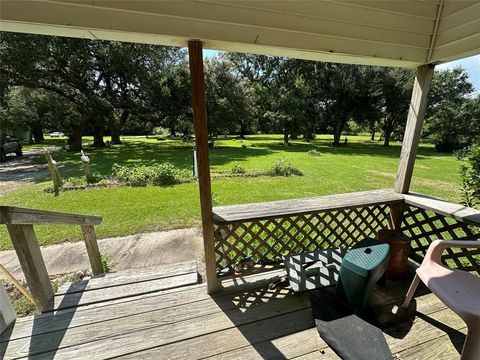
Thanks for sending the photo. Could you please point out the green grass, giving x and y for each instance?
(49, 141)
(362, 165)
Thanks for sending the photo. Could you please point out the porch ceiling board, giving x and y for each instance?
(387, 33)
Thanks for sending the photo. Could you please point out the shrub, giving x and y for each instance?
(283, 167)
(93, 178)
(470, 177)
(142, 175)
(107, 265)
(74, 181)
(237, 169)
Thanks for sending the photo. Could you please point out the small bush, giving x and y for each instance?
(470, 177)
(141, 175)
(284, 168)
(314, 152)
(107, 265)
(93, 178)
(237, 169)
(74, 181)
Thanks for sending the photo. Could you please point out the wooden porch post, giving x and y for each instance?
(201, 142)
(30, 258)
(411, 139)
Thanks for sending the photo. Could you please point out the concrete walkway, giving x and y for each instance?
(130, 252)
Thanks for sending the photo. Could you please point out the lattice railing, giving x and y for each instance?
(267, 240)
(424, 226)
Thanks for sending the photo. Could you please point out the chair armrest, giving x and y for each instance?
(436, 248)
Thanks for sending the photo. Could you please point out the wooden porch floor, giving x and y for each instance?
(166, 315)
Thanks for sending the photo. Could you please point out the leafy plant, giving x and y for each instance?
(107, 265)
(75, 181)
(237, 169)
(470, 177)
(283, 167)
(142, 175)
(93, 178)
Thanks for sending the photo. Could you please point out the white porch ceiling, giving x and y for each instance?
(392, 33)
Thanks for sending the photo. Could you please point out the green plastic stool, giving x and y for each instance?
(361, 268)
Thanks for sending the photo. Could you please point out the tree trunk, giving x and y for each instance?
(373, 135)
(285, 136)
(242, 131)
(337, 134)
(173, 133)
(75, 139)
(115, 135)
(98, 136)
(387, 136)
(37, 132)
(338, 130)
(117, 126)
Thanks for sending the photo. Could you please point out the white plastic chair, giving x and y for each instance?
(457, 289)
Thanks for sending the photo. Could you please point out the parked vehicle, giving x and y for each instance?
(57, 134)
(10, 144)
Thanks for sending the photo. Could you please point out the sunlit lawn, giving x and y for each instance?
(361, 165)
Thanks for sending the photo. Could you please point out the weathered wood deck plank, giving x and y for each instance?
(445, 347)
(125, 277)
(306, 342)
(459, 212)
(126, 337)
(249, 321)
(123, 307)
(232, 338)
(245, 212)
(107, 294)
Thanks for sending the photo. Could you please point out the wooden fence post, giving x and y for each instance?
(30, 258)
(411, 139)
(90, 239)
(201, 141)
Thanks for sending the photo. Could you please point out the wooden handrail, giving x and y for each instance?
(457, 211)
(23, 216)
(20, 221)
(272, 209)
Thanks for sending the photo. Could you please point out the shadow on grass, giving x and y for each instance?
(227, 150)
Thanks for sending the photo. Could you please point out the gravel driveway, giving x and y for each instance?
(17, 172)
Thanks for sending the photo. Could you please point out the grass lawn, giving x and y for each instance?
(362, 165)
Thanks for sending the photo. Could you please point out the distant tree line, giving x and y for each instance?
(102, 88)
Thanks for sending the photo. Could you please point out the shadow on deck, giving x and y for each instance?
(165, 315)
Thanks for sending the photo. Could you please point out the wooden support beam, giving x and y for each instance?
(30, 258)
(396, 215)
(411, 139)
(201, 142)
(90, 239)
